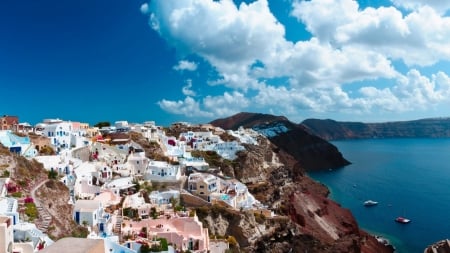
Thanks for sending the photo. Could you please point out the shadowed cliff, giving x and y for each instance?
(334, 130)
(311, 151)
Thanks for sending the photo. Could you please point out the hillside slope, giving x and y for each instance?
(305, 221)
(312, 152)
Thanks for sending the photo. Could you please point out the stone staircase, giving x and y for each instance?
(118, 226)
(44, 219)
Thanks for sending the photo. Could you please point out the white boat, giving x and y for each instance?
(403, 220)
(370, 203)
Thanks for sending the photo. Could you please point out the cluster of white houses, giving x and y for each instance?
(100, 173)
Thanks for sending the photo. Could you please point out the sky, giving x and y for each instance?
(199, 60)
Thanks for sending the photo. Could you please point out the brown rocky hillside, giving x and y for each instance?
(311, 151)
(306, 220)
(53, 196)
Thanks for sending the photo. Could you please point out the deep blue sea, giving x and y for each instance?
(408, 177)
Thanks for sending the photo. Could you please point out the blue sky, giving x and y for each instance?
(198, 60)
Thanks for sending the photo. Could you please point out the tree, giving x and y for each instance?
(102, 124)
(52, 174)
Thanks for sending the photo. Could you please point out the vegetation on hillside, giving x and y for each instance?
(102, 124)
(215, 160)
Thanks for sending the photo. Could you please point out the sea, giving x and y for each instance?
(407, 177)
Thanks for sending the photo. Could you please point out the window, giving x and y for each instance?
(202, 186)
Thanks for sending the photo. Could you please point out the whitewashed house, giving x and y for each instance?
(137, 202)
(161, 171)
(9, 207)
(161, 198)
(120, 185)
(197, 163)
(228, 150)
(59, 133)
(171, 146)
(31, 237)
(85, 187)
(87, 212)
(137, 163)
(17, 144)
(122, 126)
(236, 195)
(248, 136)
(58, 163)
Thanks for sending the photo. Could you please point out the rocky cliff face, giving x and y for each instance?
(312, 152)
(306, 220)
(335, 130)
(442, 246)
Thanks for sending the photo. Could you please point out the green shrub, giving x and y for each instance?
(16, 194)
(31, 211)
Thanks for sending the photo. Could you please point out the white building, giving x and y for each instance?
(6, 234)
(85, 187)
(248, 136)
(120, 185)
(171, 146)
(228, 150)
(87, 212)
(162, 172)
(58, 163)
(137, 163)
(137, 202)
(59, 133)
(31, 238)
(17, 144)
(161, 198)
(62, 133)
(9, 207)
(122, 126)
(198, 163)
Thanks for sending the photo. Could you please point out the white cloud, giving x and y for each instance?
(228, 37)
(188, 107)
(187, 89)
(185, 65)
(440, 6)
(144, 8)
(227, 104)
(214, 106)
(348, 45)
(420, 38)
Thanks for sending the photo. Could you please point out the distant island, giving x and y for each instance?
(337, 130)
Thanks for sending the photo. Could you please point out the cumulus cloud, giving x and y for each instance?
(185, 65)
(214, 106)
(187, 91)
(440, 6)
(417, 39)
(188, 107)
(144, 8)
(247, 47)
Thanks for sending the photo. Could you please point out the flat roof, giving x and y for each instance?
(76, 245)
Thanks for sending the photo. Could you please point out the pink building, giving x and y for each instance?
(183, 231)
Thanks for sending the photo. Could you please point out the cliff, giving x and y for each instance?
(305, 220)
(335, 130)
(312, 152)
(442, 246)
